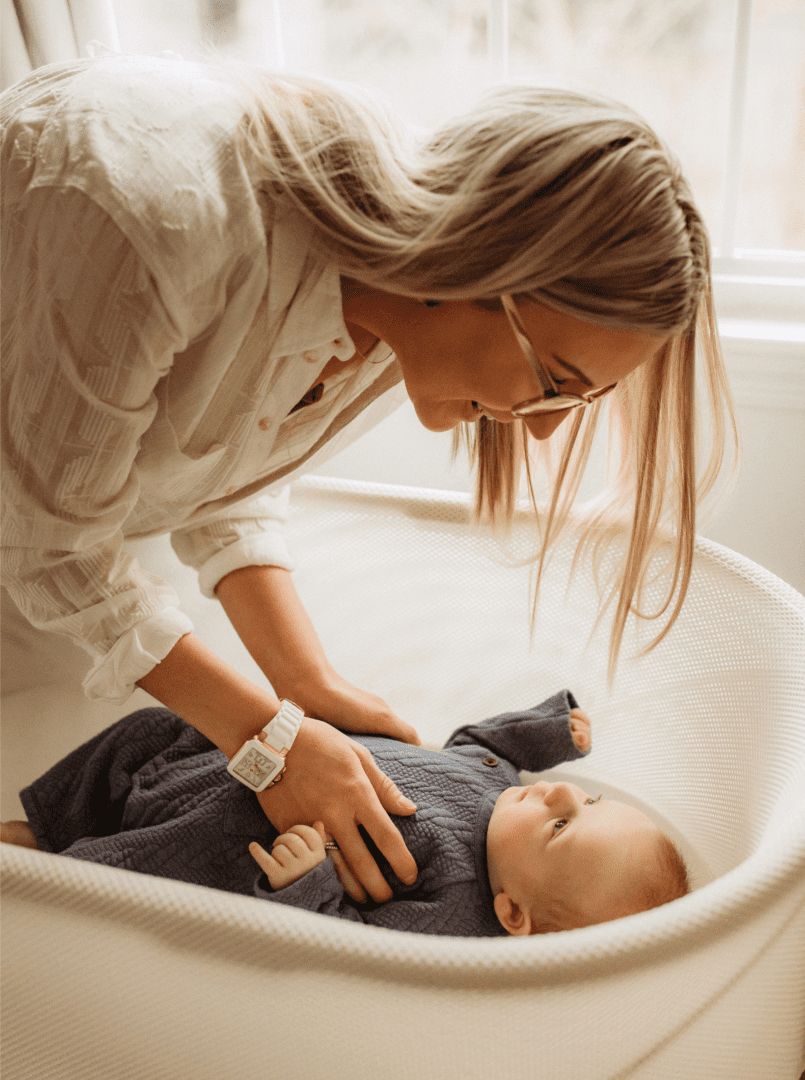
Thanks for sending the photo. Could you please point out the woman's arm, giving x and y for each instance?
(264, 607)
(328, 778)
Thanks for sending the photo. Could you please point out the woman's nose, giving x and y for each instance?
(543, 426)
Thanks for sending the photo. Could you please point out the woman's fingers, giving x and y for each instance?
(348, 880)
(358, 866)
(349, 708)
(379, 826)
(332, 779)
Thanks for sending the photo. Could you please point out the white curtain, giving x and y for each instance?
(38, 32)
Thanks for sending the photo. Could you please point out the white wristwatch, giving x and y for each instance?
(260, 762)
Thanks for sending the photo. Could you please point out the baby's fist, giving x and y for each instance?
(294, 854)
(580, 729)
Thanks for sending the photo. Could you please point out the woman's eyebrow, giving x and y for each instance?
(573, 370)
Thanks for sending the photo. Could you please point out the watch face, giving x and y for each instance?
(255, 767)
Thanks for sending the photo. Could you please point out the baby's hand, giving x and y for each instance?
(580, 729)
(294, 854)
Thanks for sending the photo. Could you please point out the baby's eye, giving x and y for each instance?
(560, 824)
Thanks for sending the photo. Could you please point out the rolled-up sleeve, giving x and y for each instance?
(250, 533)
(86, 340)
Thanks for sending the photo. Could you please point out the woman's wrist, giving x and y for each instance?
(210, 695)
(264, 607)
(307, 685)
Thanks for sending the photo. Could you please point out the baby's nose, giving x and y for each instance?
(559, 794)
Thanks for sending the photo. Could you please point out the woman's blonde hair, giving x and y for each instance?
(559, 197)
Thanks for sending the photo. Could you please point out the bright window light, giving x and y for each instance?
(723, 81)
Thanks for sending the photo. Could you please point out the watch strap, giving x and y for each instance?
(281, 730)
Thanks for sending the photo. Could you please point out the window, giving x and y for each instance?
(723, 81)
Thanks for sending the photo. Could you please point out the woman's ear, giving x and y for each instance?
(514, 919)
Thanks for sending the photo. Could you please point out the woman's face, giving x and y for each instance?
(459, 353)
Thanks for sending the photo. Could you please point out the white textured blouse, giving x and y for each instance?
(162, 316)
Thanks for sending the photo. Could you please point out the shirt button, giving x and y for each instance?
(337, 342)
(231, 490)
(309, 356)
(263, 423)
(490, 761)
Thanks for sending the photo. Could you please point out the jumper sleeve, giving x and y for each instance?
(533, 739)
(80, 368)
(250, 533)
(319, 891)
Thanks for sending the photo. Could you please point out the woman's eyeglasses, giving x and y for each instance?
(553, 399)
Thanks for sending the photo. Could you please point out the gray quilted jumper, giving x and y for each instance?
(151, 794)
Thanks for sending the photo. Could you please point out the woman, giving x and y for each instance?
(212, 282)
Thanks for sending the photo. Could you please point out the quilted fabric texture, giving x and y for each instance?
(152, 795)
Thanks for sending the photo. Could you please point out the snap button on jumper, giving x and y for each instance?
(491, 761)
(263, 423)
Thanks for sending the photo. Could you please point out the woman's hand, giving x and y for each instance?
(349, 708)
(331, 779)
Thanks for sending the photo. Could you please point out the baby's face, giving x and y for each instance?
(556, 845)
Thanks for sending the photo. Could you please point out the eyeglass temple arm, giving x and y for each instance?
(541, 373)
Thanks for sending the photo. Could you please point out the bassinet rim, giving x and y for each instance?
(713, 912)
(458, 505)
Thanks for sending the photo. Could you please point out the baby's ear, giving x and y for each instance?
(514, 919)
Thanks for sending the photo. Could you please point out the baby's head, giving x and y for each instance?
(560, 859)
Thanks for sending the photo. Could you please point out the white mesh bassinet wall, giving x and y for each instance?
(110, 974)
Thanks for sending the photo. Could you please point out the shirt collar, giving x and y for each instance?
(304, 295)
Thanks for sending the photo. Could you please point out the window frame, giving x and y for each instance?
(749, 284)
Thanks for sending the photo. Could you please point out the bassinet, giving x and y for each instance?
(110, 974)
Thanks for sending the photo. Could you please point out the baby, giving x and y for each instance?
(494, 857)
(556, 857)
